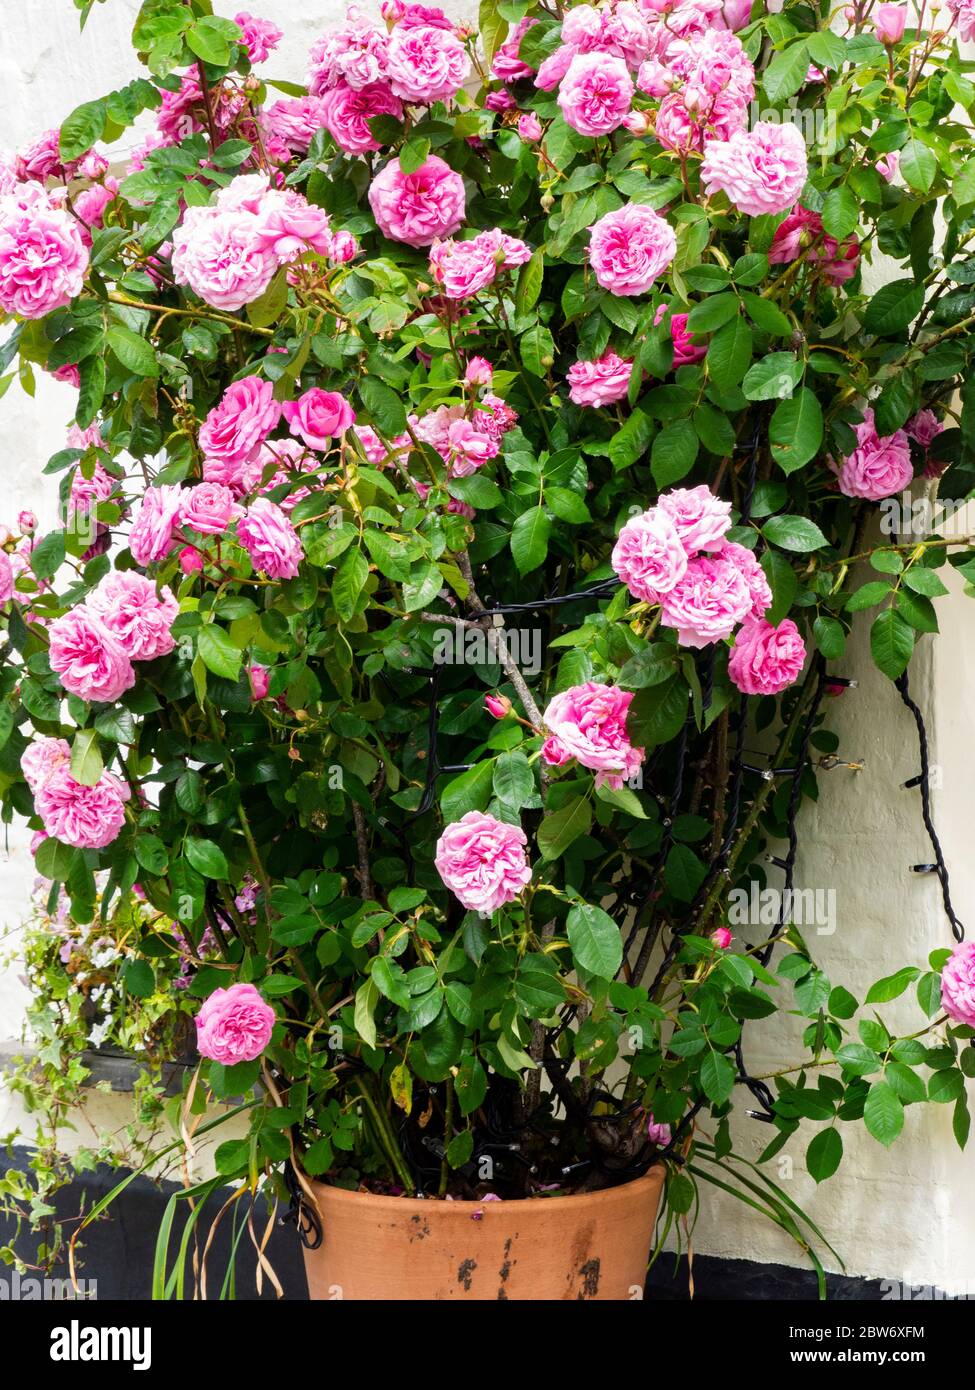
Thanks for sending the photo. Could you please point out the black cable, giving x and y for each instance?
(941, 868)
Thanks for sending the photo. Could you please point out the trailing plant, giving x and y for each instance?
(476, 451)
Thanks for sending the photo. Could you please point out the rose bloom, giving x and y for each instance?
(712, 64)
(802, 233)
(270, 540)
(260, 36)
(426, 64)
(924, 428)
(478, 372)
(890, 22)
(964, 12)
(497, 706)
(887, 166)
(317, 416)
(6, 578)
(529, 126)
(91, 662)
(648, 555)
(41, 759)
(151, 537)
(482, 861)
(259, 681)
(234, 1025)
(698, 516)
(238, 425)
(348, 110)
(600, 382)
(208, 509)
(880, 466)
(686, 350)
(463, 268)
(722, 938)
(629, 248)
(217, 252)
(678, 127)
(418, 208)
(657, 1133)
(506, 64)
(554, 67)
(85, 817)
(596, 93)
(137, 616)
(958, 984)
(754, 576)
(708, 603)
(589, 721)
(500, 101)
(43, 256)
(468, 448)
(287, 225)
(762, 170)
(766, 660)
(295, 121)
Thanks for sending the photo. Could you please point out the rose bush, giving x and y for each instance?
(470, 449)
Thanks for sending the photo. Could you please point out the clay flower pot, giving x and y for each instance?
(591, 1246)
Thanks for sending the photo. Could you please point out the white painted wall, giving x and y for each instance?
(908, 1213)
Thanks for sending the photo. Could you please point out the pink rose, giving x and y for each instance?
(259, 680)
(596, 93)
(890, 22)
(600, 382)
(880, 466)
(529, 127)
(762, 170)
(238, 425)
(426, 64)
(648, 555)
(296, 120)
(234, 1025)
(754, 576)
(468, 448)
(629, 248)
(887, 166)
(85, 817)
(478, 372)
(699, 518)
(151, 537)
(91, 662)
(766, 660)
(190, 560)
(463, 268)
(507, 65)
(43, 256)
(259, 36)
(482, 861)
(42, 758)
(657, 1133)
(708, 603)
(208, 509)
(736, 13)
(964, 12)
(318, 416)
(722, 938)
(348, 110)
(137, 616)
(553, 68)
(218, 253)
(958, 984)
(344, 248)
(802, 233)
(287, 225)
(497, 706)
(589, 721)
(924, 428)
(270, 540)
(555, 753)
(418, 208)
(41, 159)
(6, 578)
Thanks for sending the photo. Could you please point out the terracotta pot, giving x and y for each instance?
(591, 1246)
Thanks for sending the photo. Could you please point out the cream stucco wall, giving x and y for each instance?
(905, 1213)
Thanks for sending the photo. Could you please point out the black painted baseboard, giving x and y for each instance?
(118, 1253)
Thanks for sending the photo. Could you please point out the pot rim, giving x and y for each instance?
(652, 1179)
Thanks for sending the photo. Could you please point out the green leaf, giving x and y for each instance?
(470, 791)
(82, 128)
(595, 939)
(657, 713)
(772, 378)
(918, 166)
(267, 309)
(946, 1085)
(529, 283)
(560, 828)
(673, 453)
(891, 643)
(717, 1077)
(529, 539)
(514, 781)
(786, 73)
(384, 405)
(151, 854)
(796, 430)
(830, 637)
(891, 986)
(893, 307)
(796, 533)
(858, 1059)
(883, 1113)
(208, 41)
(218, 652)
(91, 390)
(824, 1154)
(729, 354)
(348, 582)
(629, 443)
(132, 351)
(86, 759)
(413, 155)
(47, 557)
(206, 857)
(138, 978)
(841, 212)
(537, 349)
(684, 872)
